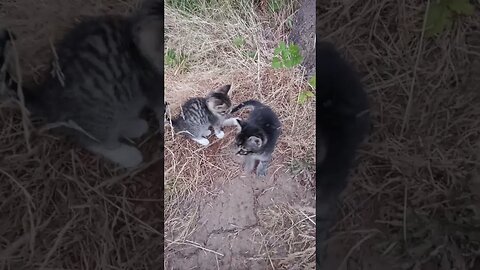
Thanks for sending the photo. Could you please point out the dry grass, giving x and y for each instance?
(417, 183)
(293, 225)
(211, 59)
(61, 207)
(214, 60)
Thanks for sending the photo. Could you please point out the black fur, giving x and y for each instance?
(262, 123)
(5, 38)
(342, 123)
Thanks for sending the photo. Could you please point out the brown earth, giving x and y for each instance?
(229, 225)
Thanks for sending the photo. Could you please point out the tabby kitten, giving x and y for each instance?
(108, 69)
(257, 136)
(199, 114)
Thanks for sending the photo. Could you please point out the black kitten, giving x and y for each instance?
(257, 135)
(343, 123)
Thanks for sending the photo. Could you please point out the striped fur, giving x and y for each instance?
(199, 114)
(108, 69)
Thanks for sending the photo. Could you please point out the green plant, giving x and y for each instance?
(313, 82)
(239, 42)
(170, 57)
(305, 95)
(275, 6)
(289, 23)
(302, 165)
(286, 56)
(191, 6)
(176, 60)
(441, 13)
(250, 54)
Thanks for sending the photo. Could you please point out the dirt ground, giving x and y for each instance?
(229, 227)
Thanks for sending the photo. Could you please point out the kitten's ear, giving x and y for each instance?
(147, 30)
(255, 140)
(224, 89)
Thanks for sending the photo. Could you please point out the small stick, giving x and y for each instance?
(191, 243)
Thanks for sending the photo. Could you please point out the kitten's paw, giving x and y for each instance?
(202, 141)
(231, 121)
(135, 128)
(128, 156)
(219, 134)
(248, 165)
(124, 155)
(261, 172)
(262, 169)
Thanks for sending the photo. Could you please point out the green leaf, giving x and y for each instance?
(170, 57)
(239, 42)
(278, 50)
(284, 53)
(276, 62)
(304, 96)
(313, 82)
(252, 54)
(289, 56)
(295, 56)
(438, 17)
(461, 7)
(288, 63)
(275, 5)
(294, 50)
(309, 94)
(289, 23)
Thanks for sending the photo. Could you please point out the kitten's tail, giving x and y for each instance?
(249, 104)
(8, 84)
